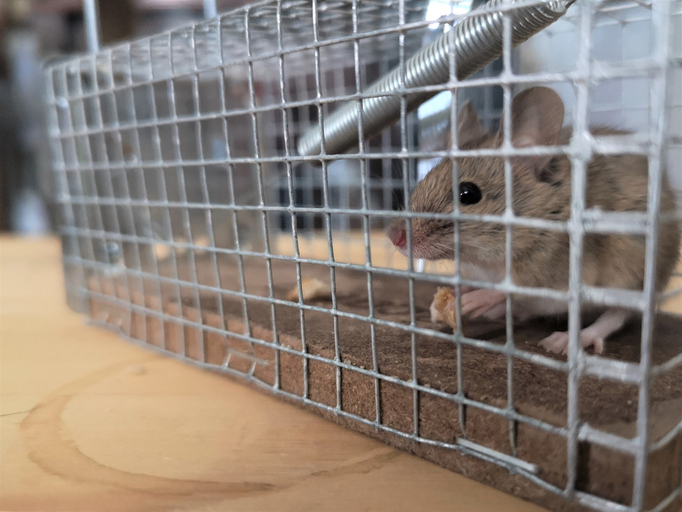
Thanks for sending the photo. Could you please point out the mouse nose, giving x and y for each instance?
(397, 234)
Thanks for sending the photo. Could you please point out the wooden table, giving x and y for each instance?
(90, 422)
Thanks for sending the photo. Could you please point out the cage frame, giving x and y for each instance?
(582, 222)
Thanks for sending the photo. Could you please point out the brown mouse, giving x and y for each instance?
(541, 189)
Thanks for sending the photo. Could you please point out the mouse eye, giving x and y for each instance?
(469, 193)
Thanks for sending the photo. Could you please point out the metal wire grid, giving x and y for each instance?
(106, 149)
(344, 188)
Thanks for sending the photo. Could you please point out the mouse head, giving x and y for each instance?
(537, 116)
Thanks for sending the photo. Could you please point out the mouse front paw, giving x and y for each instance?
(557, 342)
(479, 302)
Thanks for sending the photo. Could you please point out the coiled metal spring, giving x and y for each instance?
(477, 40)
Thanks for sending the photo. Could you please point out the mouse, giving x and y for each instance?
(541, 189)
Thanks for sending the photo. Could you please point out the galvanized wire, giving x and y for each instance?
(137, 141)
(476, 41)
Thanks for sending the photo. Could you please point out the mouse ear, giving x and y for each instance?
(537, 115)
(469, 128)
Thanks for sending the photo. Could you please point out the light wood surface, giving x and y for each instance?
(90, 422)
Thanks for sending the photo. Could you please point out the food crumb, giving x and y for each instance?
(444, 303)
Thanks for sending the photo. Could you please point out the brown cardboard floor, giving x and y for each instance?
(539, 392)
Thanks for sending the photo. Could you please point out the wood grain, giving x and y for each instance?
(90, 422)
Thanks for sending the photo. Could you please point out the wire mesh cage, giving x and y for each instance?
(225, 190)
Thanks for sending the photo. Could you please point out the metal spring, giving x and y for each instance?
(477, 41)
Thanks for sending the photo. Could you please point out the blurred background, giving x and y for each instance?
(35, 31)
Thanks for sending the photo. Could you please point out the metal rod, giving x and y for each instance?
(146, 143)
(91, 21)
(477, 41)
(210, 9)
(660, 17)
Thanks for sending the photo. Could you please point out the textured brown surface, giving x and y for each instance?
(538, 392)
(90, 423)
